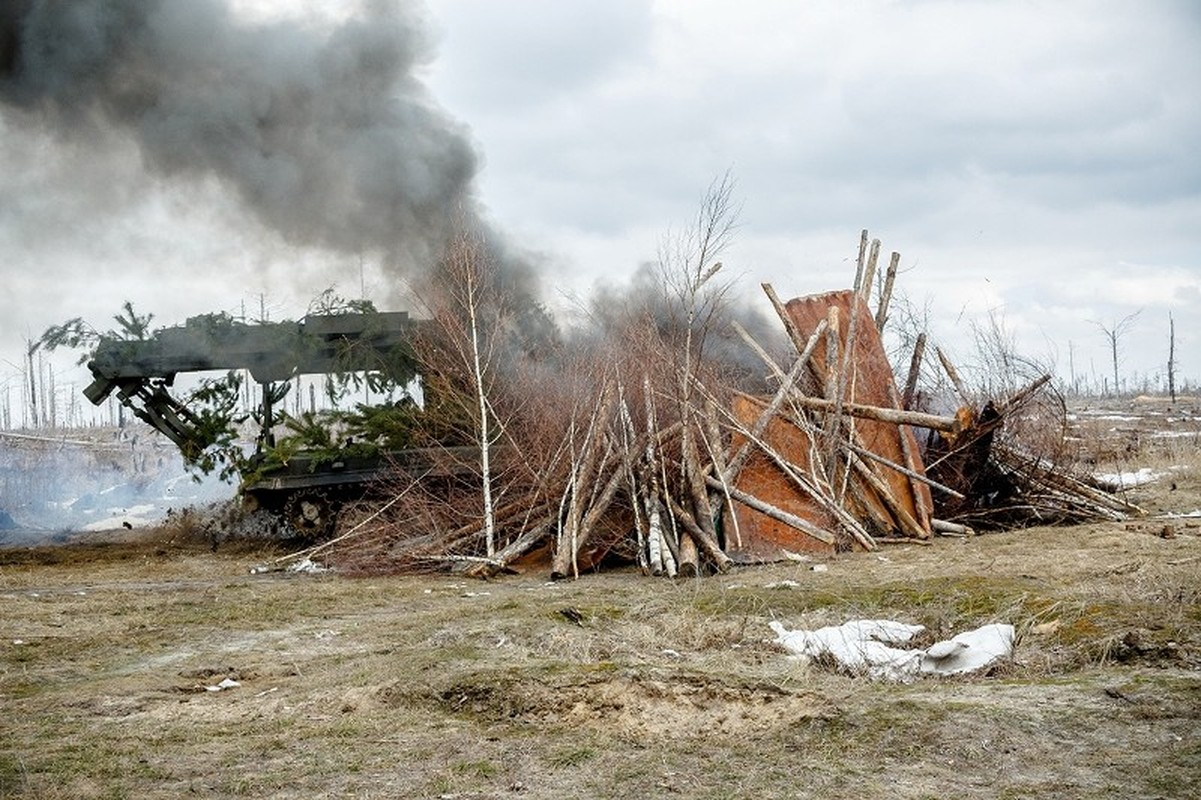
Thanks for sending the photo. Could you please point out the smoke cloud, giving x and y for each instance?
(326, 136)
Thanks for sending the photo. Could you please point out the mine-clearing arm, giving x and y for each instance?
(141, 371)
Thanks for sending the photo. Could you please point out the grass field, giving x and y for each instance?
(613, 686)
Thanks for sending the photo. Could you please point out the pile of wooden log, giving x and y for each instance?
(673, 467)
(1004, 486)
(691, 476)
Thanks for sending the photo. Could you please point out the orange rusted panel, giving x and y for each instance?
(869, 382)
(752, 536)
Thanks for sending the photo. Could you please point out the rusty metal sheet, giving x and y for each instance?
(755, 537)
(870, 382)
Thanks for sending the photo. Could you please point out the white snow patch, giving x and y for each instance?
(859, 645)
(1124, 480)
(864, 646)
(308, 566)
(1175, 434)
(1196, 512)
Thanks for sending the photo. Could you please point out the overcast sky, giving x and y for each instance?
(1036, 161)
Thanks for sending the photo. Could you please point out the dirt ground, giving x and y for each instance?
(612, 686)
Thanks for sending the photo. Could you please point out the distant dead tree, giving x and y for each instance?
(31, 348)
(1171, 357)
(1113, 334)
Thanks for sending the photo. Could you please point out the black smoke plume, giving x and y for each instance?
(328, 137)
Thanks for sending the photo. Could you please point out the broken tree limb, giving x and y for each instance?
(876, 512)
(833, 362)
(890, 278)
(859, 262)
(913, 461)
(791, 520)
(689, 560)
(1022, 395)
(487, 568)
(634, 486)
(915, 370)
(869, 271)
(891, 415)
(654, 536)
(879, 459)
(838, 364)
(992, 417)
(693, 474)
(953, 374)
(904, 519)
(906, 540)
(758, 349)
(701, 539)
(945, 528)
(713, 443)
(794, 334)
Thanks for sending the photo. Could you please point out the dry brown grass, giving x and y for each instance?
(612, 686)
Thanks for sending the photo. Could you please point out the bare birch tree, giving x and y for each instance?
(1114, 333)
(469, 319)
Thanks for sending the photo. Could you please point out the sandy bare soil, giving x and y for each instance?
(615, 685)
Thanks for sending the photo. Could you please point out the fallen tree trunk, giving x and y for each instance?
(891, 415)
(791, 520)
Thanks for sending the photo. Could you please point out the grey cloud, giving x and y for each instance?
(1093, 108)
(524, 53)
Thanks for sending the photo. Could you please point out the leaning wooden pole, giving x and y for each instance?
(915, 370)
(791, 520)
(890, 278)
(892, 415)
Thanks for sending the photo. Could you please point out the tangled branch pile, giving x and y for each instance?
(676, 439)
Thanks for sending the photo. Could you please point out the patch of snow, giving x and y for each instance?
(307, 566)
(1124, 480)
(1175, 434)
(866, 646)
(859, 645)
(227, 683)
(970, 651)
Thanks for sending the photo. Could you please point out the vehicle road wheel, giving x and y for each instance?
(311, 514)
